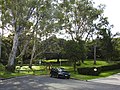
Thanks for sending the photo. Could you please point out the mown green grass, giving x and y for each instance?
(33, 67)
(36, 70)
(89, 63)
(22, 71)
(88, 77)
(55, 60)
(43, 70)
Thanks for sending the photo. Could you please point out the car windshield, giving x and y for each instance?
(62, 70)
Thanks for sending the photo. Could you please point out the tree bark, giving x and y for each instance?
(1, 35)
(32, 56)
(75, 66)
(0, 44)
(11, 62)
(20, 57)
(94, 54)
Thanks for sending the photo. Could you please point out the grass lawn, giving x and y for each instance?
(41, 70)
(88, 77)
(36, 70)
(89, 63)
(24, 70)
(55, 60)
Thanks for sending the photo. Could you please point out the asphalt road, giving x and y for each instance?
(47, 83)
(113, 79)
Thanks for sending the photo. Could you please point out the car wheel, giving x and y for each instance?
(51, 75)
(57, 76)
(68, 77)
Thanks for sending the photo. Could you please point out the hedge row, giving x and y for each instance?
(89, 71)
(95, 71)
(110, 67)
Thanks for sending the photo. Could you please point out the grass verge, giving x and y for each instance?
(41, 70)
(88, 77)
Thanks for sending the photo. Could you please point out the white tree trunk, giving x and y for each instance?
(11, 61)
(33, 52)
(0, 44)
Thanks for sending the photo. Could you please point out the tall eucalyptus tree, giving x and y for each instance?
(17, 14)
(22, 16)
(78, 18)
(44, 25)
(28, 18)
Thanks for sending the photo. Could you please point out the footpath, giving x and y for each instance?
(114, 80)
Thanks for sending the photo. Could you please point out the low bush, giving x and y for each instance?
(95, 71)
(110, 67)
(2, 68)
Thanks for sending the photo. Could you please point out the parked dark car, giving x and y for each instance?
(59, 73)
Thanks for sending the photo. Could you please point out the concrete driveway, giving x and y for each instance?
(47, 83)
(113, 80)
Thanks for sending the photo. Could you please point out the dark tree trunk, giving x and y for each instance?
(75, 66)
(94, 54)
(58, 60)
(83, 60)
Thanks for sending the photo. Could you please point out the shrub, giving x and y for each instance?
(95, 71)
(110, 67)
(2, 68)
